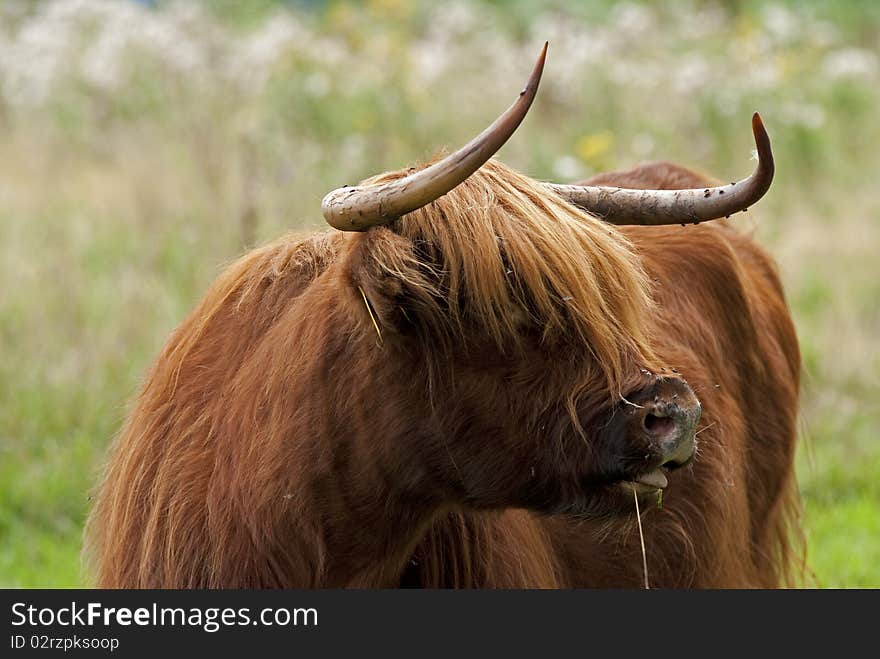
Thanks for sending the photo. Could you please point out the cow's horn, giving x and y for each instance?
(359, 208)
(654, 207)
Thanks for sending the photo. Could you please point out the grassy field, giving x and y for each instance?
(144, 148)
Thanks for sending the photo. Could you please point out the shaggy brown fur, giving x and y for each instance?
(423, 404)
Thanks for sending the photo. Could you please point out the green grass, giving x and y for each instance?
(838, 469)
(121, 197)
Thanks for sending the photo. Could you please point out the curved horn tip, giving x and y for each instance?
(535, 76)
(762, 139)
(756, 120)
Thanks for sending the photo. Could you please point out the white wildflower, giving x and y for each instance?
(781, 22)
(457, 18)
(850, 63)
(250, 59)
(633, 19)
(430, 60)
(691, 75)
(568, 168)
(806, 115)
(317, 84)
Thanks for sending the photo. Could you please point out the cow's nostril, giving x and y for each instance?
(658, 425)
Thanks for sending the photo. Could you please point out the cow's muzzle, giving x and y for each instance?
(660, 423)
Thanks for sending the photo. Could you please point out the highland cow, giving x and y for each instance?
(473, 384)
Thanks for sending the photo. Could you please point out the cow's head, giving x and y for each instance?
(509, 323)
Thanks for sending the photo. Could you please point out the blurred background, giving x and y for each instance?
(143, 145)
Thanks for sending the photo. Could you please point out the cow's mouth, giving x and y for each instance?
(612, 496)
(646, 483)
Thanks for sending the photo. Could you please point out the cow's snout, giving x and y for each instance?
(664, 420)
(657, 431)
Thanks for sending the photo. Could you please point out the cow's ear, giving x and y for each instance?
(399, 282)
